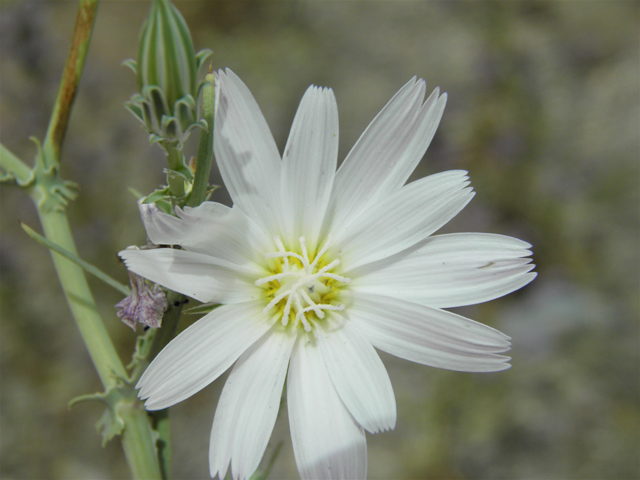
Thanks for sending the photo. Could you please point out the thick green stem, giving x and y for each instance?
(137, 437)
(12, 164)
(137, 441)
(83, 307)
(87, 267)
(161, 425)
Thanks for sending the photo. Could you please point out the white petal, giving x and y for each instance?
(327, 442)
(210, 228)
(247, 155)
(450, 270)
(387, 152)
(428, 335)
(309, 165)
(249, 405)
(358, 376)
(403, 219)
(201, 353)
(205, 278)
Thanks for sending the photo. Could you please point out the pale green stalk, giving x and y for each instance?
(204, 158)
(87, 267)
(51, 194)
(12, 164)
(175, 162)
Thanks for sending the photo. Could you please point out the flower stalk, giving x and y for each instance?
(51, 194)
(204, 156)
(70, 79)
(175, 163)
(77, 260)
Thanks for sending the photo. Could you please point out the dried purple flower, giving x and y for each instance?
(144, 305)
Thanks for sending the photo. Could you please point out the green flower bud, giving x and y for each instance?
(167, 74)
(166, 57)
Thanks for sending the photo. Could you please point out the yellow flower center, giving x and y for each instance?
(301, 288)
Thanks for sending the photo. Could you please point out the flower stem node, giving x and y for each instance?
(50, 192)
(110, 423)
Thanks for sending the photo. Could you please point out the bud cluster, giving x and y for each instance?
(167, 76)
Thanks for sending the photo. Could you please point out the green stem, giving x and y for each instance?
(12, 164)
(174, 162)
(169, 323)
(96, 272)
(139, 450)
(161, 425)
(137, 438)
(70, 79)
(76, 289)
(204, 157)
(176, 301)
(161, 338)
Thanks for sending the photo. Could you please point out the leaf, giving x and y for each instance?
(109, 425)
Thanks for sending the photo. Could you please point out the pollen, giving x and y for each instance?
(302, 288)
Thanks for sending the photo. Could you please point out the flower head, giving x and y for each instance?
(315, 269)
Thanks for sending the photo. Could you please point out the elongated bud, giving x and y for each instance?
(166, 57)
(167, 74)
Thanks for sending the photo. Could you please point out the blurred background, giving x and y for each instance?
(543, 112)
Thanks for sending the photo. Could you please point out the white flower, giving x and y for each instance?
(314, 268)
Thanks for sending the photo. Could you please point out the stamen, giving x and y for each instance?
(329, 266)
(339, 278)
(312, 305)
(277, 299)
(271, 278)
(323, 250)
(305, 324)
(294, 281)
(303, 244)
(284, 255)
(281, 250)
(285, 313)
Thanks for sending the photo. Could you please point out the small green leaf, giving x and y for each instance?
(202, 56)
(156, 195)
(159, 105)
(185, 110)
(153, 138)
(95, 271)
(170, 128)
(148, 117)
(135, 109)
(135, 193)
(109, 425)
(132, 64)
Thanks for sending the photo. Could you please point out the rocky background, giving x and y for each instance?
(543, 112)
